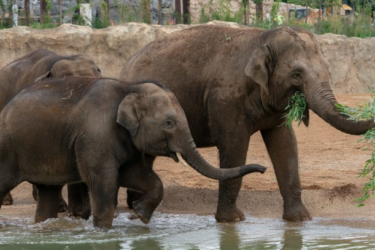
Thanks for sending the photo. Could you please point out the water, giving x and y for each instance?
(180, 232)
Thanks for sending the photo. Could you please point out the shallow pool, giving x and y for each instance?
(167, 231)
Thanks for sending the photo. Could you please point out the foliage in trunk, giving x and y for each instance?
(365, 112)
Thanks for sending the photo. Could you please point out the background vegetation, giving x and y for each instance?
(358, 24)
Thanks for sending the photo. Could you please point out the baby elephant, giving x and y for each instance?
(97, 131)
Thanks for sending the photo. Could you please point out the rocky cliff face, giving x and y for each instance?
(352, 60)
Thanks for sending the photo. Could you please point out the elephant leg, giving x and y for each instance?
(47, 202)
(35, 193)
(132, 196)
(102, 194)
(63, 207)
(140, 177)
(99, 170)
(232, 151)
(282, 147)
(5, 188)
(8, 177)
(79, 200)
(8, 199)
(101, 179)
(62, 203)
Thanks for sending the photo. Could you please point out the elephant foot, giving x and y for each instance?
(142, 211)
(132, 196)
(75, 211)
(63, 206)
(296, 213)
(134, 216)
(86, 213)
(116, 213)
(8, 200)
(229, 214)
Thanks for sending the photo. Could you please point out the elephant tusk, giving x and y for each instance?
(179, 156)
(40, 78)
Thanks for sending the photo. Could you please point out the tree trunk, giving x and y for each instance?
(107, 3)
(306, 11)
(245, 4)
(320, 17)
(43, 10)
(259, 10)
(160, 11)
(60, 8)
(27, 12)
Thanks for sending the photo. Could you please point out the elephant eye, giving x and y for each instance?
(168, 124)
(297, 75)
(99, 70)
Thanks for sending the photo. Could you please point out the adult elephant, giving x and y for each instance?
(233, 82)
(35, 66)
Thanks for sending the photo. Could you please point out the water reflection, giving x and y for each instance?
(292, 239)
(144, 244)
(188, 232)
(229, 237)
(95, 246)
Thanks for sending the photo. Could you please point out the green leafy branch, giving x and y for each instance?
(296, 109)
(364, 112)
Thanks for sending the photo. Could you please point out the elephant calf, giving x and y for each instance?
(26, 70)
(74, 129)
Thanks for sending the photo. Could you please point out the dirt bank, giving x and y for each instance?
(329, 165)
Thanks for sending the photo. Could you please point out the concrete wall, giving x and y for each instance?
(352, 60)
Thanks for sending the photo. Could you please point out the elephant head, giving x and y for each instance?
(159, 127)
(289, 60)
(60, 66)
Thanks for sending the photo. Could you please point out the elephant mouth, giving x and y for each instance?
(173, 155)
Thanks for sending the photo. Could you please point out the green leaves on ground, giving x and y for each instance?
(364, 112)
(296, 109)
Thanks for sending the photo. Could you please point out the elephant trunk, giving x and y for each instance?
(191, 155)
(321, 100)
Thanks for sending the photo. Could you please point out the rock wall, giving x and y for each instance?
(352, 60)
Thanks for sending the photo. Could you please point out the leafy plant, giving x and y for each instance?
(2, 6)
(220, 10)
(138, 13)
(364, 112)
(274, 11)
(295, 109)
(47, 22)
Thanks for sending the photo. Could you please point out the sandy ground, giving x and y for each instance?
(330, 162)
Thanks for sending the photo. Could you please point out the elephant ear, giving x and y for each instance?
(128, 115)
(257, 67)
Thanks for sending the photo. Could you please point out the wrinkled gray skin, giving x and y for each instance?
(97, 131)
(35, 66)
(232, 88)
